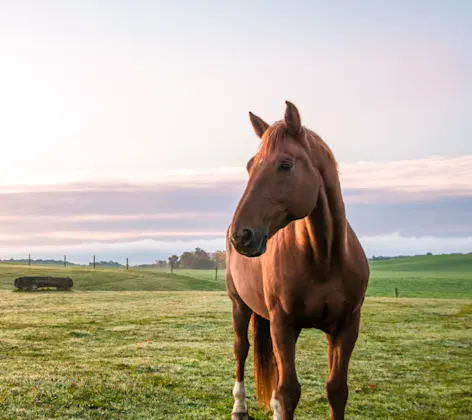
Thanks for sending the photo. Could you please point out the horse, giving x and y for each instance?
(293, 262)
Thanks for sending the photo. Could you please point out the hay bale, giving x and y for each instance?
(36, 282)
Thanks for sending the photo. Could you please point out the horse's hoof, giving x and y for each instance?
(239, 416)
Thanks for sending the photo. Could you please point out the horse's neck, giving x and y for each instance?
(325, 228)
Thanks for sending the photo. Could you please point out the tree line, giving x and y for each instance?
(196, 259)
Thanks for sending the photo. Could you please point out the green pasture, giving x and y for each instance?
(147, 344)
(168, 355)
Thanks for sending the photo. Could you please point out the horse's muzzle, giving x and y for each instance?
(250, 243)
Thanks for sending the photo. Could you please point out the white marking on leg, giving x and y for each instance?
(276, 407)
(239, 394)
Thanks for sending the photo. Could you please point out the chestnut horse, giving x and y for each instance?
(293, 262)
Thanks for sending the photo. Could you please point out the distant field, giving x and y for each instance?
(452, 262)
(436, 276)
(169, 356)
(115, 279)
(444, 276)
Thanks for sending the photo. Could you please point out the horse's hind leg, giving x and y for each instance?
(286, 396)
(241, 318)
(340, 347)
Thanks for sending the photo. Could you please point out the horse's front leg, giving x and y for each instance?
(241, 318)
(284, 337)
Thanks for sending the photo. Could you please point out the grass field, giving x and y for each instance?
(168, 355)
(144, 344)
(114, 279)
(441, 276)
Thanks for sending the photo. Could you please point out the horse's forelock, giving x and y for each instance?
(276, 135)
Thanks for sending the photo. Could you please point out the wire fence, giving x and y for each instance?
(451, 282)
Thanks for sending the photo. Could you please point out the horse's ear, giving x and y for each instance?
(259, 125)
(292, 119)
(249, 164)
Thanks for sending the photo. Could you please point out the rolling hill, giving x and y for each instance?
(434, 276)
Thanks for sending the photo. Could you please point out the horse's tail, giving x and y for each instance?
(265, 368)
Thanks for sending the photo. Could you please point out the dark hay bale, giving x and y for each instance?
(36, 282)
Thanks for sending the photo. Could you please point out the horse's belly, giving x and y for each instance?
(325, 307)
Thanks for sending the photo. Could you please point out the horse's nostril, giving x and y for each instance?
(248, 236)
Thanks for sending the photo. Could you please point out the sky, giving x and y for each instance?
(124, 126)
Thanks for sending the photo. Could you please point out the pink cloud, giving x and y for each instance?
(106, 217)
(432, 175)
(122, 236)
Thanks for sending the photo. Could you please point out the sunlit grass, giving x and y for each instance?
(168, 355)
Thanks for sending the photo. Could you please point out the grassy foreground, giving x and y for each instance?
(168, 355)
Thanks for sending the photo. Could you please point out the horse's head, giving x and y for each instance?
(283, 183)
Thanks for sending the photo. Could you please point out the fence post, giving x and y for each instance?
(171, 266)
(126, 262)
(396, 292)
(65, 260)
(94, 262)
(29, 259)
(216, 272)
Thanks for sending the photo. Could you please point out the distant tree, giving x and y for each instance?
(201, 254)
(187, 260)
(106, 264)
(197, 259)
(203, 259)
(174, 261)
(429, 253)
(219, 257)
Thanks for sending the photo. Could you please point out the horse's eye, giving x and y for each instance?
(285, 166)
